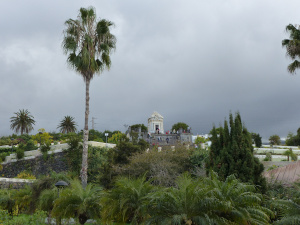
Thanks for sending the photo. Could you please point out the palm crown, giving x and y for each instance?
(88, 43)
(22, 122)
(67, 125)
(292, 47)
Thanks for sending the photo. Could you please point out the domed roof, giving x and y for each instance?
(156, 115)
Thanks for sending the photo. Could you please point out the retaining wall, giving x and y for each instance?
(14, 183)
(37, 165)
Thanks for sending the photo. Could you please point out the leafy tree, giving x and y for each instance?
(25, 137)
(256, 139)
(76, 201)
(23, 121)
(199, 141)
(89, 44)
(117, 137)
(162, 167)
(100, 165)
(42, 137)
(290, 139)
(274, 140)
(135, 127)
(95, 135)
(232, 153)
(67, 125)
(292, 46)
(124, 150)
(293, 140)
(179, 125)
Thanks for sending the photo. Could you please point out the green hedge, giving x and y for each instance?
(7, 149)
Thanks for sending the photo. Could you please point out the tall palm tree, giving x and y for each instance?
(292, 46)
(67, 124)
(22, 122)
(88, 43)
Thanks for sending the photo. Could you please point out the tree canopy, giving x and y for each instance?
(256, 139)
(136, 126)
(293, 140)
(274, 140)
(179, 125)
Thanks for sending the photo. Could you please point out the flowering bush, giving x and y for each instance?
(25, 175)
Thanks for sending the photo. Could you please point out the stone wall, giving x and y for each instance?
(13, 183)
(37, 165)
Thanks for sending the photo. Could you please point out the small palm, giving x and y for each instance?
(128, 201)
(76, 201)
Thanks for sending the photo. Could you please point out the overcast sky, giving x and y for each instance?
(192, 61)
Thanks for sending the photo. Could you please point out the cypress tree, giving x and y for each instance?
(232, 153)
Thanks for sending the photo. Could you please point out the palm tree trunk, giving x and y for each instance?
(84, 166)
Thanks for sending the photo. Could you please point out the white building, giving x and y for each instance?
(156, 124)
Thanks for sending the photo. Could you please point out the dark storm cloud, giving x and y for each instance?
(191, 61)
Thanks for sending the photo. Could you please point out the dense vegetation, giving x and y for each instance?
(128, 184)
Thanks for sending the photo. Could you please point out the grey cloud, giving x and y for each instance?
(191, 61)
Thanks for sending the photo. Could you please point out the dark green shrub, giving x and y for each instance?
(3, 155)
(8, 150)
(45, 148)
(4, 141)
(162, 167)
(21, 145)
(20, 153)
(74, 153)
(30, 145)
(268, 157)
(198, 157)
